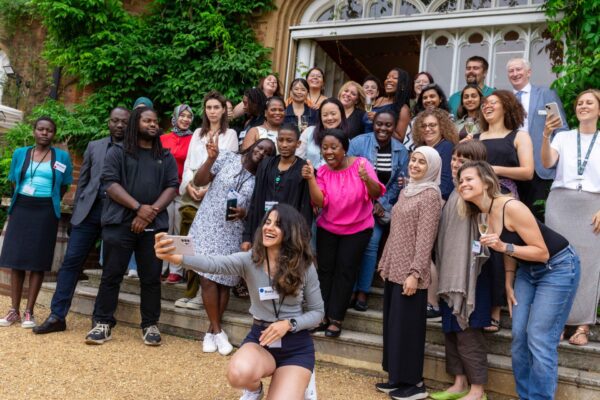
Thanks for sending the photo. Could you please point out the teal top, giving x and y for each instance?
(61, 169)
(454, 100)
(41, 181)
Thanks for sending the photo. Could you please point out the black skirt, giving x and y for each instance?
(30, 235)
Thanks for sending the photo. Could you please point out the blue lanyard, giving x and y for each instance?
(581, 166)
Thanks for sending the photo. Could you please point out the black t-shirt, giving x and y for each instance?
(144, 178)
(355, 123)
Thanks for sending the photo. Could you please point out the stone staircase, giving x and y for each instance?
(360, 345)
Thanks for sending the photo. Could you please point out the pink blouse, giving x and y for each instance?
(347, 206)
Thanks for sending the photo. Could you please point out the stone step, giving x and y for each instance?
(371, 322)
(352, 349)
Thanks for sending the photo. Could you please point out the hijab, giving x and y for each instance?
(143, 100)
(176, 113)
(432, 177)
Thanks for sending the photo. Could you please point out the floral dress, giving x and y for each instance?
(211, 233)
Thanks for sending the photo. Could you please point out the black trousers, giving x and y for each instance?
(404, 327)
(119, 243)
(534, 194)
(338, 259)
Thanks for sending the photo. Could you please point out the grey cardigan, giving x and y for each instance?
(241, 264)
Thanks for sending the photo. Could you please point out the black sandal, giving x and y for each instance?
(321, 327)
(333, 334)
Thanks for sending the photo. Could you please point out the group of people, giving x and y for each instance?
(446, 197)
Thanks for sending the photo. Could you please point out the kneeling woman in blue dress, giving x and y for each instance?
(281, 277)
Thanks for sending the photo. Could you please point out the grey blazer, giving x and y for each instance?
(539, 97)
(89, 179)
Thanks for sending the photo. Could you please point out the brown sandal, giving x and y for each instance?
(580, 337)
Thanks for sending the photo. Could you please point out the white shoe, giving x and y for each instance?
(182, 303)
(28, 321)
(248, 395)
(311, 390)
(194, 304)
(208, 343)
(133, 274)
(222, 342)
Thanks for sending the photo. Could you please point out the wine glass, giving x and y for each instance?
(368, 104)
(469, 126)
(303, 123)
(482, 226)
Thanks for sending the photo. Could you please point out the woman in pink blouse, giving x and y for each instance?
(405, 267)
(345, 188)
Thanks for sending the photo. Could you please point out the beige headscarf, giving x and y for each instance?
(432, 177)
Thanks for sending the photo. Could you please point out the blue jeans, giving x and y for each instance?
(369, 261)
(544, 295)
(82, 239)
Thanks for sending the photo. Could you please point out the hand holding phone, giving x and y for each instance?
(553, 110)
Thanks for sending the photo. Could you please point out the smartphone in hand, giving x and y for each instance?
(552, 109)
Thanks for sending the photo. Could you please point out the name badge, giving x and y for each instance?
(476, 247)
(28, 190)
(267, 293)
(275, 345)
(59, 166)
(269, 205)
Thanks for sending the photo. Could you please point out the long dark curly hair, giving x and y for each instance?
(295, 254)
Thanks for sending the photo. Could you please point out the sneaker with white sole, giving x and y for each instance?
(182, 302)
(208, 343)
(133, 274)
(10, 318)
(222, 342)
(194, 304)
(151, 335)
(28, 321)
(99, 334)
(257, 395)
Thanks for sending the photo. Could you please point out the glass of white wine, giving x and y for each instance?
(470, 126)
(483, 227)
(303, 123)
(368, 104)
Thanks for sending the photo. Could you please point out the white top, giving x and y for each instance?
(565, 143)
(308, 150)
(197, 154)
(525, 95)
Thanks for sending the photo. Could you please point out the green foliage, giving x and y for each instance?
(577, 22)
(12, 12)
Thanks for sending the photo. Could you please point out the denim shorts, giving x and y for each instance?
(296, 348)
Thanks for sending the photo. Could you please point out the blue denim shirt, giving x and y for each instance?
(366, 146)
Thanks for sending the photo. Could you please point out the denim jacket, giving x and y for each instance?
(366, 145)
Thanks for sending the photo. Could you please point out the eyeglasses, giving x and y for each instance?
(430, 126)
(489, 103)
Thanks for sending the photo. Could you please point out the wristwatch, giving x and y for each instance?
(510, 249)
(294, 324)
(137, 208)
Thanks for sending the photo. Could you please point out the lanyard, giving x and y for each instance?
(240, 182)
(581, 166)
(32, 171)
(271, 284)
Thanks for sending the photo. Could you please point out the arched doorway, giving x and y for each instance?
(352, 38)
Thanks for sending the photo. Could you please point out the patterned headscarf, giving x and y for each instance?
(176, 113)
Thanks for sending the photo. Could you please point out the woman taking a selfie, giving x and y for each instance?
(280, 277)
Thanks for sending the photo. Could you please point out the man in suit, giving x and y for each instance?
(534, 98)
(85, 221)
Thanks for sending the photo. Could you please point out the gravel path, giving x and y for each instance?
(62, 366)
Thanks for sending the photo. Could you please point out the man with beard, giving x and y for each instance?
(85, 221)
(475, 73)
(140, 179)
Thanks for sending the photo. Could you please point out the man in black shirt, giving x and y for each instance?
(85, 221)
(140, 179)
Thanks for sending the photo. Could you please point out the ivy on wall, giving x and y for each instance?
(577, 22)
(173, 52)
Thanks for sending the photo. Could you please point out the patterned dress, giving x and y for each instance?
(211, 233)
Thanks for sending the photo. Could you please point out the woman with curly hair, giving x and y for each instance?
(432, 96)
(433, 127)
(510, 152)
(281, 279)
(352, 96)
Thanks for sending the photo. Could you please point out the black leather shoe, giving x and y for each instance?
(51, 324)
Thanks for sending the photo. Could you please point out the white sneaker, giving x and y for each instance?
(28, 321)
(248, 395)
(222, 342)
(311, 390)
(208, 343)
(182, 302)
(133, 274)
(194, 304)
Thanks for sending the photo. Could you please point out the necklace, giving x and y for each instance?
(581, 165)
